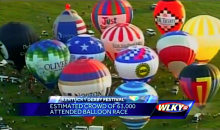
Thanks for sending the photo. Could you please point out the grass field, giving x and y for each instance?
(35, 13)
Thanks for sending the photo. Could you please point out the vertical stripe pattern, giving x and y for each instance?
(119, 9)
(200, 82)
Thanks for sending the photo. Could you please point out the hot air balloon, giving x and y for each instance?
(206, 30)
(176, 50)
(67, 25)
(110, 12)
(46, 59)
(119, 37)
(200, 82)
(169, 15)
(130, 89)
(15, 39)
(85, 46)
(137, 63)
(85, 77)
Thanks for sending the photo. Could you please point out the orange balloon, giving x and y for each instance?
(89, 119)
(169, 15)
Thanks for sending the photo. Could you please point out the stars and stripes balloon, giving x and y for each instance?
(119, 37)
(67, 25)
(136, 89)
(109, 12)
(137, 63)
(85, 46)
(176, 50)
(205, 29)
(200, 82)
(169, 15)
(46, 59)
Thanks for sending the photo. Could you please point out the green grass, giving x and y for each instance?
(35, 13)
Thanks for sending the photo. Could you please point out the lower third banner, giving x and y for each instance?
(85, 109)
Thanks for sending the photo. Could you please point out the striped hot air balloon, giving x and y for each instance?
(137, 63)
(200, 82)
(85, 77)
(206, 29)
(176, 50)
(119, 37)
(109, 12)
(67, 25)
(136, 89)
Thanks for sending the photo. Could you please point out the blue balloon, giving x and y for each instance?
(67, 25)
(136, 88)
(85, 46)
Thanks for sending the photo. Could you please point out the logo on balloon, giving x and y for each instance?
(59, 36)
(64, 37)
(106, 21)
(126, 45)
(166, 21)
(88, 94)
(58, 66)
(4, 51)
(142, 70)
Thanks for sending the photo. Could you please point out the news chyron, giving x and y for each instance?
(165, 109)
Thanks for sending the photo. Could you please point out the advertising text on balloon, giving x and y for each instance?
(106, 21)
(120, 46)
(64, 37)
(25, 47)
(58, 66)
(88, 94)
(170, 21)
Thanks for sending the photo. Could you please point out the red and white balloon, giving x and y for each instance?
(176, 50)
(119, 37)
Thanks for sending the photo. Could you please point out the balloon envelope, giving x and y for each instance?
(119, 37)
(67, 25)
(205, 29)
(137, 63)
(200, 82)
(176, 50)
(85, 46)
(109, 12)
(15, 39)
(169, 15)
(85, 77)
(46, 59)
(130, 89)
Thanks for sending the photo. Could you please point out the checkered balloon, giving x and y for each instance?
(137, 63)
(46, 59)
(169, 16)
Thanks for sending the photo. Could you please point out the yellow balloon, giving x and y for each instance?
(206, 30)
